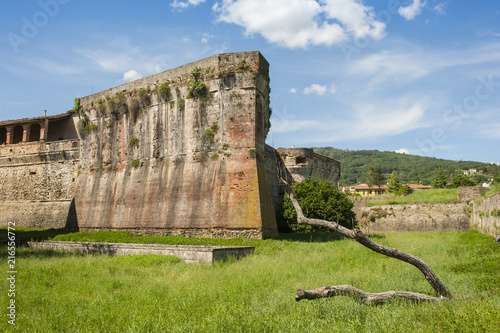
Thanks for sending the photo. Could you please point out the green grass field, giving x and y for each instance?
(61, 292)
(420, 196)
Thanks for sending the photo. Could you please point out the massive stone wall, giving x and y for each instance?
(486, 215)
(163, 161)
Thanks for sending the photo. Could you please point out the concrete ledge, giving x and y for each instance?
(188, 253)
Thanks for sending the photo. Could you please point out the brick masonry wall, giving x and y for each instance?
(183, 179)
(486, 215)
(413, 217)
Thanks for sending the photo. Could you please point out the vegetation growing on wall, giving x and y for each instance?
(209, 133)
(135, 163)
(197, 88)
(134, 142)
(163, 91)
(76, 105)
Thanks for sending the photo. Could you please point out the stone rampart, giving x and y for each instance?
(486, 215)
(414, 217)
(37, 181)
(305, 163)
(160, 158)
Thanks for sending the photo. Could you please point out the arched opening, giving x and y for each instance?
(34, 133)
(3, 136)
(18, 134)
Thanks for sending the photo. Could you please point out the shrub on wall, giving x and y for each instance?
(320, 200)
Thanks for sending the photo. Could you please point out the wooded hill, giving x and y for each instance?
(411, 168)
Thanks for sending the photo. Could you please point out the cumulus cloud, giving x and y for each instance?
(180, 5)
(315, 89)
(293, 90)
(413, 10)
(301, 23)
(131, 75)
(402, 151)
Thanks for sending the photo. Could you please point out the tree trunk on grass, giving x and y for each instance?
(358, 236)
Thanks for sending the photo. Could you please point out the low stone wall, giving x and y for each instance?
(186, 232)
(413, 217)
(188, 253)
(470, 193)
(486, 215)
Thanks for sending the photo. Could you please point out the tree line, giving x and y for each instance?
(411, 169)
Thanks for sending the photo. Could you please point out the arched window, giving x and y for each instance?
(3, 136)
(18, 134)
(34, 133)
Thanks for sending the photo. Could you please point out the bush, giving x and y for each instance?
(404, 190)
(320, 200)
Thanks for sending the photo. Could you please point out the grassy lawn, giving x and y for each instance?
(61, 292)
(420, 196)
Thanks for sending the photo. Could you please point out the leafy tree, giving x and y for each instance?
(394, 183)
(439, 178)
(319, 200)
(375, 176)
(461, 180)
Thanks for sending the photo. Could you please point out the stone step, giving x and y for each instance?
(188, 253)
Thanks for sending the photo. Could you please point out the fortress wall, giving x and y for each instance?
(421, 217)
(486, 215)
(182, 165)
(305, 163)
(37, 183)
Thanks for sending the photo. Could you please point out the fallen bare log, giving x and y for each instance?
(363, 296)
(359, 237)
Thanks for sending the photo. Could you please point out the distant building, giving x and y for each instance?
(368, 191)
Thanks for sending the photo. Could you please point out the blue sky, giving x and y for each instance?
(421, 77)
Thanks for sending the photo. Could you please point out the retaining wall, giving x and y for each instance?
(486, 215)
(413, 217)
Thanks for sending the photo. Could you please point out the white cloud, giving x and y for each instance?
(413, 10)
(315, 89)
(410, 62)
(367, 122)
(402, 151)
(180, 5)
(293, 90)
(439, 8)
(491, 131)
(283, 125)
(300, 23)
(131, 75)
(333, 89)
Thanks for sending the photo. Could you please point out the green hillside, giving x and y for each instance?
(411, 168)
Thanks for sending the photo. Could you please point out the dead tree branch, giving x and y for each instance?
(361, 238)
(362, 296)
